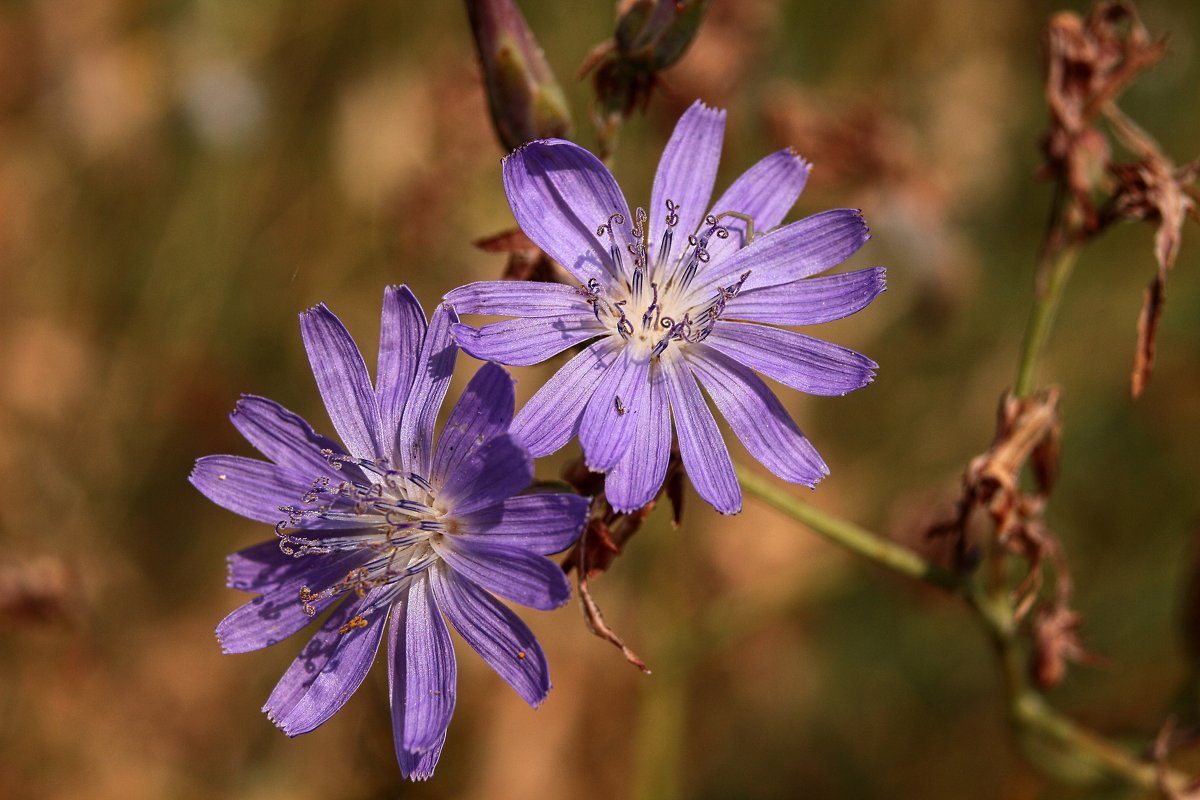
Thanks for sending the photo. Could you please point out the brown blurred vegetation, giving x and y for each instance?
(179, 179)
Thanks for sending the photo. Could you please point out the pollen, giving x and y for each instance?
(355, 622)
(521, 655)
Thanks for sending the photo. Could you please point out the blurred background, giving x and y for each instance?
(179, 179)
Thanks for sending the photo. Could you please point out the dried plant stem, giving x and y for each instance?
(1054, 270)
(850, 536)
(1036, 722)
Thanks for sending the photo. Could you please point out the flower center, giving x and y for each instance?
(659, 304)
(387, 518)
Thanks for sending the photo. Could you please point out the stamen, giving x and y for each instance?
(624, 326)
(613, 250)
(651, 310)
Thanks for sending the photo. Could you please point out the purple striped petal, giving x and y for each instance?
(518, 299)
(757, 417)
(513, 574)
(536, 523)
(551, 417)
(267, 619)
(607, 427)
(801, 362)
(343, 381)
(810, 301)
(255, 489)
(635, 479)
(496, 471)
(417, 766)
(686, 174)
(560, 194)
(703, 451)
(414, 436)
(483, 411)
(427, 663)
(402, 329)
(521, 342)
(766, 193)
(264, 566)
(282, 436)
(496, 633)
(328, 670)
(797, 250)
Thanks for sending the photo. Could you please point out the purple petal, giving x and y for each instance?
(704, 454)
(282, 436)
(483, 411)
(268, 619)
(757, 417)
(414, 436)
(427, 663)
(521, 342)
(686, 174)
(418, 766)
(518, 299)
(810, 301)
(607, 427)
(342, 379)
(496, 471)
(513, 574)
(537, 523)
(635, 479)
(766, 193)
(328, 670)
(797, 250)
(496, 633)
(551, 417)
(793, 359)
(402, 329)
(263, 567)
(255, 489)
(560, 194)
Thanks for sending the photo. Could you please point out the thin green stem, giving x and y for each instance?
(1053, 272)
(850, 536)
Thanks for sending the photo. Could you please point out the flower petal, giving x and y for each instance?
(551, 417)
(483, 411)
(560, 194)
(797, 250)
(766, 193)
(635, 479)
(414, 436)
(328, 670)
(255, 489)
(607, 427)
(427, 663)
(518, 299)
(402, 329)
(686, 174)
(414, 764)
(521, 342)
(809, 301)
(496, 633)
(757, 417)
(417, 766)
(495, 471)
(704, 454)
(343, 381)
(264, 566)
(801, 362)
(537, 523)
(283, 437)
(513, 574)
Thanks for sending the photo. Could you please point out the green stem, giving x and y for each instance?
(1053, 272)
(850, 536)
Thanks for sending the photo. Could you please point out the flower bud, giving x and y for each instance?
(524, 98)
(654, 33)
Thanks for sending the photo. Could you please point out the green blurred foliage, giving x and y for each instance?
(179, 179)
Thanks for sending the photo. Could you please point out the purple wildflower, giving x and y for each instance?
(391, 527)
(660, 292)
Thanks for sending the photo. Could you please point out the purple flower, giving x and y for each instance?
(671, 297)
(391, 527)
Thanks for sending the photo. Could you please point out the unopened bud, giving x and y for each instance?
(524, 98)
(654, 33)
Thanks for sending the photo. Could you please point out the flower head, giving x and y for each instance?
(670, 296)
(390, 532)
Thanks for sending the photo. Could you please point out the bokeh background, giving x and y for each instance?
(179, 179)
